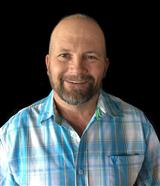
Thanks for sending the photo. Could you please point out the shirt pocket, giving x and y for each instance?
(124, 169)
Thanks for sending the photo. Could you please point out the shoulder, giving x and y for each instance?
(128, 114)
(119, 106)
(130, 121)
(22, 117)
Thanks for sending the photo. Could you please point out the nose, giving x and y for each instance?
(77, 65)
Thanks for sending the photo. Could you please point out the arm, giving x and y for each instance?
(3, 165)
(6, 178)
(150, 171)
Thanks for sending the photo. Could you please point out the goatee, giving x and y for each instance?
(77, 95)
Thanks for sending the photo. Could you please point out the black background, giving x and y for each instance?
(132, 34)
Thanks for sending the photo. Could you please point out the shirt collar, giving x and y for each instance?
(106, 105)
(47, 109)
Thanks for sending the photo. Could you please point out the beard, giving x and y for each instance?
(77, 94)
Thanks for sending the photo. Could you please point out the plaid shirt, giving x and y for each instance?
(118, 147)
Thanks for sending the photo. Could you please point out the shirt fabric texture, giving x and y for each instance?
(118, 147)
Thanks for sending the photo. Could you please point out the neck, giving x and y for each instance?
(77, 115)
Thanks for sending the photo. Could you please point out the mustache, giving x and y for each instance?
(77, 78)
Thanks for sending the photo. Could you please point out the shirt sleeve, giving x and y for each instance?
(6, 178)
(3, 164)
(150, 171)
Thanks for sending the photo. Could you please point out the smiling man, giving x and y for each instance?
(76, 65)
(79, 135)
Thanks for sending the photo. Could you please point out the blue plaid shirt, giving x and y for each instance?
(118, 147)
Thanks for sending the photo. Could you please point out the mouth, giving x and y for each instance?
(76, 82)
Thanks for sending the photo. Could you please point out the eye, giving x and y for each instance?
(91, 57)
(64, 57)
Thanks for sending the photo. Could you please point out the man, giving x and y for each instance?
(79, 135)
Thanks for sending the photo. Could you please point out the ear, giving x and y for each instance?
(47, 63)
(106, 67)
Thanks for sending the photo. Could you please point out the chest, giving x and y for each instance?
(105, 155)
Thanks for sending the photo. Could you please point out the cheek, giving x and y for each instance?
(98, 73)
(56, 71)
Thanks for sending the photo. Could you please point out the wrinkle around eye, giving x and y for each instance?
(64, 57)
(91, 58)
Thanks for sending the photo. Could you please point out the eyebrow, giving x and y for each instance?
(92, 52)
(86, 52)
(64, 50)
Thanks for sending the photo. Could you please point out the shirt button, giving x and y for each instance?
(80, 171)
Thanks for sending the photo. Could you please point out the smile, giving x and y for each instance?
(76, 82)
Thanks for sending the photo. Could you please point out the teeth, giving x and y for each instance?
(76, 81)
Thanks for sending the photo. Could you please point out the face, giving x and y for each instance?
(76, 63)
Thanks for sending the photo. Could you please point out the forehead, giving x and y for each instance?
(78, 24)
(82, 32)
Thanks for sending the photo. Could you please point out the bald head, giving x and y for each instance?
(78, 26)
(77, 60)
